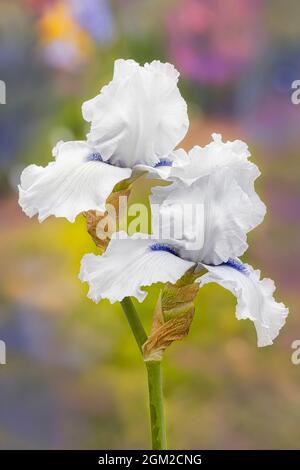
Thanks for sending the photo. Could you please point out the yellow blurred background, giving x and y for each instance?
(73, 377)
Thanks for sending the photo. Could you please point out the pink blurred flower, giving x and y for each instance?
(213, 41)
(39, 6)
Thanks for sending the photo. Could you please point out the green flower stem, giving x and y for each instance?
(134, 322)
(156, 401)
(154, 373)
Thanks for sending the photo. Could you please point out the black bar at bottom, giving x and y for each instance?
(132, 459)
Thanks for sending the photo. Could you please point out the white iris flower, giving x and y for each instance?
(136, 122)
(220, 179)
(199, 222)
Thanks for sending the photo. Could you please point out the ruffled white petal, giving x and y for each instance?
(178, 218)
(202, 160)
(139, 116)
(219, 216)
(255, 299)
(219, 155)
(69, 185)
(164, 68)
(128, 264)
(122, 69)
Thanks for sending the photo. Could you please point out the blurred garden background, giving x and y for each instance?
(73, 377)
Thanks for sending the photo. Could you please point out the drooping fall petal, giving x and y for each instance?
(76, 181)
(128, 264)
(255, 299)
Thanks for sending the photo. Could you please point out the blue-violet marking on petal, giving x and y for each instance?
(235, 264)
(163, 162)
(163, 247)
(94, 157)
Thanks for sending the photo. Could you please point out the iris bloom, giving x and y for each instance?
(221, 178)
(136, 122)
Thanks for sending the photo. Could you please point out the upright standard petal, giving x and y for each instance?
(207, 219)
(255, 299)
(78, 180)
(219, 155)
(139, 116)
(202, 160)
(128, 264)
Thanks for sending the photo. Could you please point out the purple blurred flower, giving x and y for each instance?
(61, 54)
(95, 17)
(213, 41)
(263, 100)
